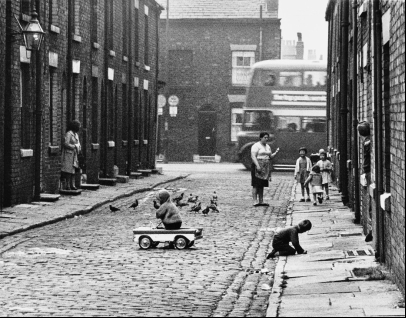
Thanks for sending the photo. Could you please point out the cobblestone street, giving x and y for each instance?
(90, 266)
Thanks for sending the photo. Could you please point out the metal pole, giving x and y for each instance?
(260, 34)
(165, 111)
(38, 118)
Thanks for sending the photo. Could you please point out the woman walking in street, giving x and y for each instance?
(70, 152)
(261, 168)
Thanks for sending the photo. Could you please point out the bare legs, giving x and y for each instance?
(258, 195)
(325, 188)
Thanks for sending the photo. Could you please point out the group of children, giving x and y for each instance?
(318, 176)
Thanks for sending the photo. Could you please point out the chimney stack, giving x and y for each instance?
(299, 47)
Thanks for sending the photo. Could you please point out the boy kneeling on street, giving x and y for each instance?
(282, 238)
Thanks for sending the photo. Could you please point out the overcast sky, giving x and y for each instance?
(307, 17)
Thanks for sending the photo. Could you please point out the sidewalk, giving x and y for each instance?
(24, 217)
(321, 283)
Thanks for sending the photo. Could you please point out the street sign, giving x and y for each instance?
(161, 100)
(173, 100)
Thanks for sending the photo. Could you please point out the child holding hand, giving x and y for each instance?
(315, 179)
(283, 237)
(302, 170)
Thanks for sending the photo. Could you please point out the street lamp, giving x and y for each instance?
(33, 33)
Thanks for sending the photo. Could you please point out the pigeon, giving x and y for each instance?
(193, 199)
(177, 199)
(212, 202)
(197, 207)
(206, 211)
(214, 207)
(113, 208)
(215, 198)
(156, 205)
(134, 205)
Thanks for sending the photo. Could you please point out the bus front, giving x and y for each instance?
(286, 98)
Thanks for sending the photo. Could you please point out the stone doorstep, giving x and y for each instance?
(108, 181)
(123, 179)
(70, 192)
(145, 172)
(377, 312)
(136, 175)
(88, 186)
(49, 197)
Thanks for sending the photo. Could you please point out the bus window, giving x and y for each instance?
(264, 78)
(314, 79)
(311, 125)
(290, 79)
(290, 124)
(258, 121)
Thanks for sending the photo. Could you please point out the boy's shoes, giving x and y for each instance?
(327, 197)
(302, 200)
(320, 200)
(308, 200)
(271, 255)
(314, 203)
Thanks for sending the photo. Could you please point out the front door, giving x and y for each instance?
(207, 133)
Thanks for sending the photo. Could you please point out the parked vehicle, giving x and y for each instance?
(286, 98)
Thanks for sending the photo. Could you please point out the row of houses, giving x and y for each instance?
(98, 64)
(366, 119)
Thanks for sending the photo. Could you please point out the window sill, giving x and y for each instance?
(112, 53)
(147, 68)
(125, 58)
(77, 38)
(53, 150)
(96, 45)
(26, 153)
(54, 29)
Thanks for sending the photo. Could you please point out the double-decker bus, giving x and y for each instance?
(286, 98)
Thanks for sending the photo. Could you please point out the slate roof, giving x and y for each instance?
(219, 9)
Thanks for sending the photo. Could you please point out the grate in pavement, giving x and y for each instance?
(355, 253)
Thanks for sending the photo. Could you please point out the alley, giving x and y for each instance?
(89, 265)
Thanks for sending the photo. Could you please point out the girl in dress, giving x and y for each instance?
(302, 170)
(325, 168)
(315, 180)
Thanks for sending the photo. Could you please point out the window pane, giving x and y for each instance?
(247, 61)
(290, 79)
(240, 61)
(291, 124)
(314, 79)
(310, 124)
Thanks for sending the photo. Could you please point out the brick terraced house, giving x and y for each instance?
(366, 118)
(98, 64)
(206, 60)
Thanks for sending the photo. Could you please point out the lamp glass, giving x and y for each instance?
(33, 34)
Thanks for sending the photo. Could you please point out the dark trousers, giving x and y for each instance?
(284, 249)
(173, 226)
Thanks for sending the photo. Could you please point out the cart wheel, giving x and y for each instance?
(145, 242)
(191, 244)
(181, 243)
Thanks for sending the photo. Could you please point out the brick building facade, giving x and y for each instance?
(366, 113)
(99, 64)
(211, 45)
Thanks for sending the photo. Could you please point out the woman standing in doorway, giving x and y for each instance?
(261, 167)
(70, 152)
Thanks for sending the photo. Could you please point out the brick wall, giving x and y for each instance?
(392, 179)
(87, 95)
(2, 66)
(206, 79)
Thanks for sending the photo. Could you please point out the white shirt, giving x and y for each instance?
(260, 151)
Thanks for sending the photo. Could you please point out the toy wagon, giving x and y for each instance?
(148, 237)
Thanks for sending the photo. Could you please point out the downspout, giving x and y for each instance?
(328, 109)
(355, 111)
(130, 84)
(377, 128)
(260, 33)
(38, 115)
(344, 102)
(158, 14)
(69, 63)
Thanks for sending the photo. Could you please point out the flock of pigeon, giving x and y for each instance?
(193, 199)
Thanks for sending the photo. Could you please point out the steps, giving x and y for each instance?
(208, 159)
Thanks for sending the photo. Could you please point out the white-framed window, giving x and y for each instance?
(242, 61)
(236, 123)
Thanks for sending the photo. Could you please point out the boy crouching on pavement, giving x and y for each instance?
(282, 238)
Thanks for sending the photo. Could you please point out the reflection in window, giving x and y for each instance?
(290, 124)
(314, 79)
(236, 122)
(312, 124)
(258, 121)
(290, 79)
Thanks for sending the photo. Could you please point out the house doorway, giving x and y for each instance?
(207, 131)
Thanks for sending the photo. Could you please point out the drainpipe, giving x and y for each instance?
(329, 55)
(377, 128)
(260, 33)
(38, 116)
(355, 111)
(344, 101)
(69, 62)
(158, 14)
(130, 83)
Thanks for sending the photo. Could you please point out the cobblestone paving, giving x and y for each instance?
(89, 266)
